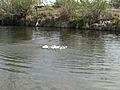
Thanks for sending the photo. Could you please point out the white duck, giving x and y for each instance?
(54, 47)
(63, 47)
(45, 47)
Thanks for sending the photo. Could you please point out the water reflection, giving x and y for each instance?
(92, 59)
(14, 34)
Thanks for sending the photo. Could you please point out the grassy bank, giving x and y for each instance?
(96, 14)
(51, 17)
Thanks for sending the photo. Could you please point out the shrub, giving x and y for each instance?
(77, 22)
(15, 9)
(115, 3)
(68, 7)
(92, 9)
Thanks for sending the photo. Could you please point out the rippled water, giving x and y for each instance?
(90, 62)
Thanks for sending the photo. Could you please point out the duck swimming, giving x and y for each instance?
(45, 47)
(53, 47)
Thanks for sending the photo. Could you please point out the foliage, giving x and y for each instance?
(92, 9)
(68, 7)
(14, 12)
(76, 22)
(115, 3)
(117, 18)
(89, 10)
(15, 7)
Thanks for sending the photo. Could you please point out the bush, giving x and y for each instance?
(92, 9)
(15, 9)
(115, 3)
(68, 7)
(77, 22)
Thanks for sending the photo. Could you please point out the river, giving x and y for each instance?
(91, 60)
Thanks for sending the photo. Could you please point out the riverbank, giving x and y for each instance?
(51, 20)
(61, 22)
(51, 17)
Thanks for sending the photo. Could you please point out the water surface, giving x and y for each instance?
(91, 61)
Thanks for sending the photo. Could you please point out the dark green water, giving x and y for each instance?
(91, 61)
